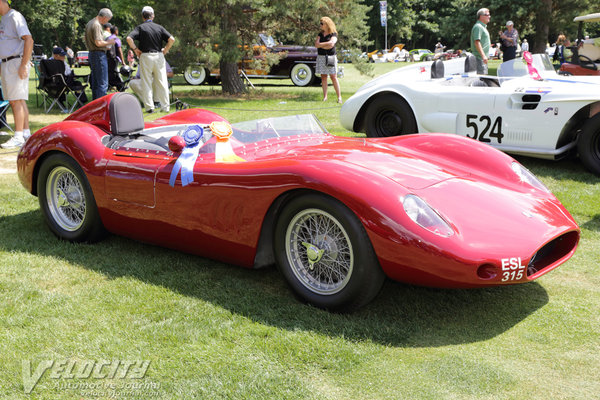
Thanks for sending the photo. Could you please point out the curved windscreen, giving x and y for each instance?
(513, 69)
(261, 129)
(517, 67)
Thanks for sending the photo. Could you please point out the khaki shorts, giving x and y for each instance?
(13, 87)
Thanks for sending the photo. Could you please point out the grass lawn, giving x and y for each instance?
(216, 331)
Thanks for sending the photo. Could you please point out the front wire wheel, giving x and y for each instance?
(319, 251)
(325, 254)
(67, 200)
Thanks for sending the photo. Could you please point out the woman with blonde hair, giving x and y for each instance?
(325, 44)
(562, 53)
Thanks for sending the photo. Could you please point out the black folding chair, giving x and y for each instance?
(55, 87)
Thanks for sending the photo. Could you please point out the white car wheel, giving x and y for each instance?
(302, 75)
(588, 144)
(195, 75)
(389, 115)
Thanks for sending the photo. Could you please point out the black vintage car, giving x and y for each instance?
(297, 63)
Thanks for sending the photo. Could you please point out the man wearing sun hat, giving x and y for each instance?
(16, 46)
(151, 53)
(510, 39)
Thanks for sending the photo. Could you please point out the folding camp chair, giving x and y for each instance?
(4, 104)
(52, 84)
(55, 87)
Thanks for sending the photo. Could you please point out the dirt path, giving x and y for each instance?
(8, 161)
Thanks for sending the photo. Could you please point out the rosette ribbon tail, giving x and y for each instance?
(187, 159)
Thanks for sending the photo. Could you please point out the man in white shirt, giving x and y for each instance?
(16, 47)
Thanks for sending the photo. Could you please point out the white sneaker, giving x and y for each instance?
(13, 142)
(26, 136)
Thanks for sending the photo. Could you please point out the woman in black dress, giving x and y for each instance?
(325, 44)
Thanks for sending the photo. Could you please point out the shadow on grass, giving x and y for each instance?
(402, 315)
(593, 224)
(569, 168)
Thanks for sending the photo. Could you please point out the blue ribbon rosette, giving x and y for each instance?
(186, 160)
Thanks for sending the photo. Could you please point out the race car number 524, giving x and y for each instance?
(483, 129)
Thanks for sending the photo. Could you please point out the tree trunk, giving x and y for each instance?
(542, 24)
(231, 82)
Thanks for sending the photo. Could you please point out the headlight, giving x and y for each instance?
(425, 216)
(526, 176)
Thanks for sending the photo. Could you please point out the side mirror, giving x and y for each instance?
(176, 144)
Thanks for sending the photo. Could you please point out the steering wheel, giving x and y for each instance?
(587, 62)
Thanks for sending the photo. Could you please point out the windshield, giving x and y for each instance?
(513, 69)
(261, 129)
(517, 67)
(267, 40)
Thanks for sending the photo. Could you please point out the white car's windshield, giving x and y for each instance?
(517, 67)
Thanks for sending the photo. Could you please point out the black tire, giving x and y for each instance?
(588, 144)
(330, 265)
(302, 74)
(67, 201)
(213, 80)
(389, 115)
(428, 58)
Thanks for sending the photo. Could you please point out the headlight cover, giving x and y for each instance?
(425, 216)
(526, 176)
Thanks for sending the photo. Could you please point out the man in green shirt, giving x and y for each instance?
(480, 40)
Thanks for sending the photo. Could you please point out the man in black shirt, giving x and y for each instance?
(150, 52)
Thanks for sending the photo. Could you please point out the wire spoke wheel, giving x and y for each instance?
(325, 254)
(66, 199)
(319, 251)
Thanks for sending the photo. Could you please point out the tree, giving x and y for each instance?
(219, 32)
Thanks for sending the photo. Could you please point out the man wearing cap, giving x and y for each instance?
(510, 38)
(480, 40)
(59, 54)
(151, 53)
(97, 48)
(16, 46)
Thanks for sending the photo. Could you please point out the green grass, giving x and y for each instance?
(217, 331)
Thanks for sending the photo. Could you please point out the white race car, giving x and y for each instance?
(527, 109)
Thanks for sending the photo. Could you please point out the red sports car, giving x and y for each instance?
(337, 215)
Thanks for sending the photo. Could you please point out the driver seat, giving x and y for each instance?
(126, 117)
(127, 125)
(470, 64)
(437, 69)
